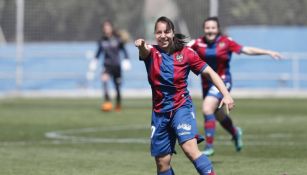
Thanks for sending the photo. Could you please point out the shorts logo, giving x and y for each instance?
(179, 57)
(184, 133)
(184, 126)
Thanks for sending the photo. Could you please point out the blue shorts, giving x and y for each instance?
(167, 127)
(211, 90)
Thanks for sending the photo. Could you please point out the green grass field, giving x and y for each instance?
(84, 141)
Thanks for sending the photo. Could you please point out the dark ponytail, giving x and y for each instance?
(179, 39)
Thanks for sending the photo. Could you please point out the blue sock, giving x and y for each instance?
(167, 172)
(203, 165)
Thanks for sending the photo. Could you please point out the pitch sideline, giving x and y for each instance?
(70, 136)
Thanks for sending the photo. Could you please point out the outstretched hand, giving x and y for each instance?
(143, 48)
(275, 55)
(140, 43)
(228, 103)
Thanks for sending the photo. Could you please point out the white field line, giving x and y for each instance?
(71, 137)
(253, 140)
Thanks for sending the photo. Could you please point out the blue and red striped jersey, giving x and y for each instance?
(218, 54)
(168, 75)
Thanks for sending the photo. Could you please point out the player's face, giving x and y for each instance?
(107, 29)
(164, 35)
(211, 30)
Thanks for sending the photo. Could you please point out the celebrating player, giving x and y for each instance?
(168, 64)
(110, 46)
(216, 49)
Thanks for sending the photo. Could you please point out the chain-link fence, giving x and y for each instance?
(68, 29)
(76, 20)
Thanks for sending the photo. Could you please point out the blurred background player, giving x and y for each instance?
(168, 65)
(216, 49)
(110, 45)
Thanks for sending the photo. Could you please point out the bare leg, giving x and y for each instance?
(163, 164)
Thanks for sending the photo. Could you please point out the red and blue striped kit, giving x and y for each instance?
(218, 54)
(168, 74)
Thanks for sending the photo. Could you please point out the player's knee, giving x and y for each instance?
(208, 109)
(105, 77)
(118, 81)
(190, 149)
(163, 162)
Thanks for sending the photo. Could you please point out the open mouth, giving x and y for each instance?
(164, 42)
(210, 36)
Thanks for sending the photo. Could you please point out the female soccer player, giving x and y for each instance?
(216, 49)
(168, 64)
(110, 45)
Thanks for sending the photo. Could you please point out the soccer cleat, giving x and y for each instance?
(208, 152)
(106, 106)
(238, 139)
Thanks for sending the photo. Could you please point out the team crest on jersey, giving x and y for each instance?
(221, 44)
(179, 57)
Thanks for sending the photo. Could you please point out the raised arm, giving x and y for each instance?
(144, 50)
(209, 73)
(258, 51)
